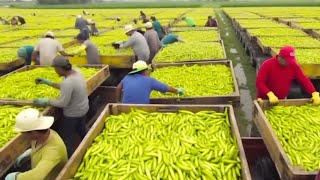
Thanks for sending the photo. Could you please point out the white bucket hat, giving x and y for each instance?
(148, 25)
(31, 119)
(139, 66)
(128, 28)
(49, 33)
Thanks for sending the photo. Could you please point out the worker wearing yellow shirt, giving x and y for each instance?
(48, 153)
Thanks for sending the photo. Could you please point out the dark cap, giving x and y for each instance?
(61, 61)
(81, 36)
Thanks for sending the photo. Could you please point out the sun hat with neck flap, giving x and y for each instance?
(139, 66)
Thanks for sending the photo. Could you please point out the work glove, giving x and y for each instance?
(315, 98)
(272, 98)
(24, 155)
(42, 102)
(12, 176)
(181, 91)
(43, 81)
(260, 101)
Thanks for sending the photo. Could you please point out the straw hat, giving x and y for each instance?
(128, 28)
(30, 120)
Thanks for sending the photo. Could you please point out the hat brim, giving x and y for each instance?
(129, 30)
(46, 123)
(138, 70)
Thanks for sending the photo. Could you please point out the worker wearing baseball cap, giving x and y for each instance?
(47, 49)
(73, 100)
(276, 75)
(48, 153)
(137, 85)
(137, 42)
(153, 41)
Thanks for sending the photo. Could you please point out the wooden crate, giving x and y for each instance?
(17, 145)
(312, 33)
(124, 61)
(233, 98)
(285, 169)
(92, 83)
(11, 65)
(114, 109)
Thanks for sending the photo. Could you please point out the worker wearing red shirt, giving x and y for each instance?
(276, 75)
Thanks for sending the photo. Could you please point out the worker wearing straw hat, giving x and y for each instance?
(137, 42)
(152, 41)
(73, 100)
(276, 75)
(137, 85)
(48, 153)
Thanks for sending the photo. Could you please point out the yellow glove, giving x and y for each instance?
(315, 98)
(260, 101)
(272, 98)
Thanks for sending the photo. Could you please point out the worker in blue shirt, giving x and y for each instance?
(171, 38)
(137, 85)
(25, 53)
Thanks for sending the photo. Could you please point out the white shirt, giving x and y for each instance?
(48, 49)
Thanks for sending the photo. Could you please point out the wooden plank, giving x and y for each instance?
(124, 61)
(11, 65)
(16, 146)
(285, 169)
(233, 98)
(312, 33)
(113, 109)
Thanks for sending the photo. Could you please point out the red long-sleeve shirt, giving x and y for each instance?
(276, 78)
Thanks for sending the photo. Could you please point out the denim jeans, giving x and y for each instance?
(67, 129)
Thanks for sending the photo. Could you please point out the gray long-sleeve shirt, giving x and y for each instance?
(73, 96)
(139, 45)
(92, 52)
(81, 24)
(153, 40)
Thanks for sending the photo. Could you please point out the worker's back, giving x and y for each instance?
(169, 39)
(47, 160)
(81, 23)
(48, 49)
(139, 43)
(92, 52)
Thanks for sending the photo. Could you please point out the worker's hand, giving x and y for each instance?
(315, 98)
(42, 102)
(272, 98)
(43, 81)
(181, 91)
(260, 101)
(12, 176)
(22, 157)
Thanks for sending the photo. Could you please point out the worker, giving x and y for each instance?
(211, 22)
(190, 22)
(48, 48)
(318, 176)
(73, 100)
(91, 49)
(48, 153)
(93, 28)
(4, 22)
(137, 42)
(82, 25)
(171, 38)
(25, 53)
(142, 15)
(21, 20)
(276, 75)
(14, 21)
(137, 85)
(157, 27)
(152, 41)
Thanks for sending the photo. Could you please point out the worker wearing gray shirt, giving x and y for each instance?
(73, 100)
(82, 25)
(137, 42)
(91, 49)
(153, 41)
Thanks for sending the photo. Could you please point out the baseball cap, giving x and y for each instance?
(61, 61)
(31, 120)
(49, 33)
(288, 53)
(148, 25)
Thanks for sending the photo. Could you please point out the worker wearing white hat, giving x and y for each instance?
(137, 85)
(48, 48)
(137, 42)
(48, 153)
(153, 40)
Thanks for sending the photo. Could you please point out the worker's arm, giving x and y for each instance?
(47, 163)
(65, 95)
(161, 87)
(304, 80)
(119, 92)
(34, 56)
(180, 39)
(261, 81)
(128, 43)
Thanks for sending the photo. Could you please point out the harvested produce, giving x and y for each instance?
(287, 40)
(199, 35)
(204, 80)
(306, 56)
(190, 51)
(310, 25)
(8, 55)
(8, 115)
(192, 29)
(184, 145)
(33, 42)
(21, 85)
(276, 32)
(297, 128)
(104, 50)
